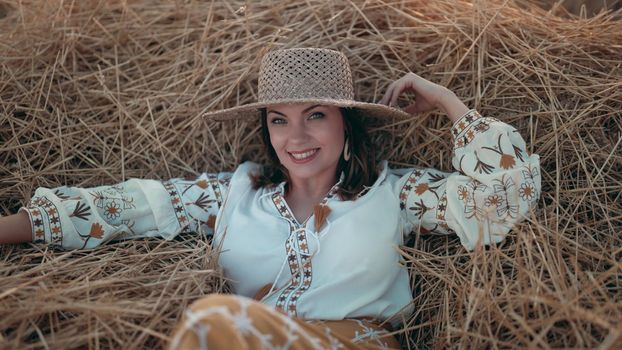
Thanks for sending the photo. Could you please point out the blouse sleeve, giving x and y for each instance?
(78, 218)
(495, 183)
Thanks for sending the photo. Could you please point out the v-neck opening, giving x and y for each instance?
(290, 212)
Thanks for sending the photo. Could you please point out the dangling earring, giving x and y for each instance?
(346, 151)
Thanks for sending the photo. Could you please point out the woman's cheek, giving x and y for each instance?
(279, 140)
(277, 143)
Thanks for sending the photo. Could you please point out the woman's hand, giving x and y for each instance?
(428, 96)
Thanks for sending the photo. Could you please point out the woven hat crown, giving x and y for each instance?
(305, 73)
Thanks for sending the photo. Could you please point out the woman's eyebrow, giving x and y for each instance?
(304, 111)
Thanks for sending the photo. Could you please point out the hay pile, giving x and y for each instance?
(95, 92)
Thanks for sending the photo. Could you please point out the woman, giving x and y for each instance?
(312, 236)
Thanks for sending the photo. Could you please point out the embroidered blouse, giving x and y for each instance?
(350, 266)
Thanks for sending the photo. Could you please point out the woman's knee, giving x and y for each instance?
(222, 321)
(207, 320)
(228, 301)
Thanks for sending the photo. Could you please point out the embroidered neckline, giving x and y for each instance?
(279, 196)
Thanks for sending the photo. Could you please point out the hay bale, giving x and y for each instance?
(95, 92)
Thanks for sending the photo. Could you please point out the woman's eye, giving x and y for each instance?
(316, 115)
(278, 121)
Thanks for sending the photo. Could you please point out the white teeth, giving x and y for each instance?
(300, 156)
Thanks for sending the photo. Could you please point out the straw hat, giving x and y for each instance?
(305, 75)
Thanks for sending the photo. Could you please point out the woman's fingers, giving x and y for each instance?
(400, 86)
(411, 108)
(397, 87)
(387, 95)
(395, 94)
(427, 94)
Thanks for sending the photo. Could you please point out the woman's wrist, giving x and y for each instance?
(452, 106)
(15, 228)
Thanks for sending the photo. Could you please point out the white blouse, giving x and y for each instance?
(350, 266)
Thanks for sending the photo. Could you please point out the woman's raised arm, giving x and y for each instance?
(496, 179)
(428, 97)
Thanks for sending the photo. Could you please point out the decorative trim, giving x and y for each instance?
(301, 279)
(464, 121)
(177, 203)
(441, 211)
(282, 302)
(46, 223)
(307, 273)
(415, 176)
(469, 133)
(214, 182)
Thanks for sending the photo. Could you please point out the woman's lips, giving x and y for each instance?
(304, 156)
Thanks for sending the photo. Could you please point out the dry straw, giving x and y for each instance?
(95, 92)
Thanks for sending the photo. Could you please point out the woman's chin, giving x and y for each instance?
(310, 171)
(301, 173)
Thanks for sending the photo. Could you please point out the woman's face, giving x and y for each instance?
(308, 138)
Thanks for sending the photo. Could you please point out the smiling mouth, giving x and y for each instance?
(302, 156)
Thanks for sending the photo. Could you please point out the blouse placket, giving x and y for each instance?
(297, 255)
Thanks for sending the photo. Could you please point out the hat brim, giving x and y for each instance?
(251, 111)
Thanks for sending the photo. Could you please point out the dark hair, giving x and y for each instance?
(359, 172)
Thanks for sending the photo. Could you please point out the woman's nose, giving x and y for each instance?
(299, 132)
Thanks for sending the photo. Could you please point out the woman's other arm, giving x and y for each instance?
(78, 218)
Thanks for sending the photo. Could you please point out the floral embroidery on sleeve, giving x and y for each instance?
(495, 183)
(506, 161)
(472, 207)
(412, 179)
(76, 218)
(112, 201)
(81, 211)
(422, 199)
(96, 231)
(196, 202)
(502, 187)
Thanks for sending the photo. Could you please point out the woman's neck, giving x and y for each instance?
(303, 196)
(316, 187)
